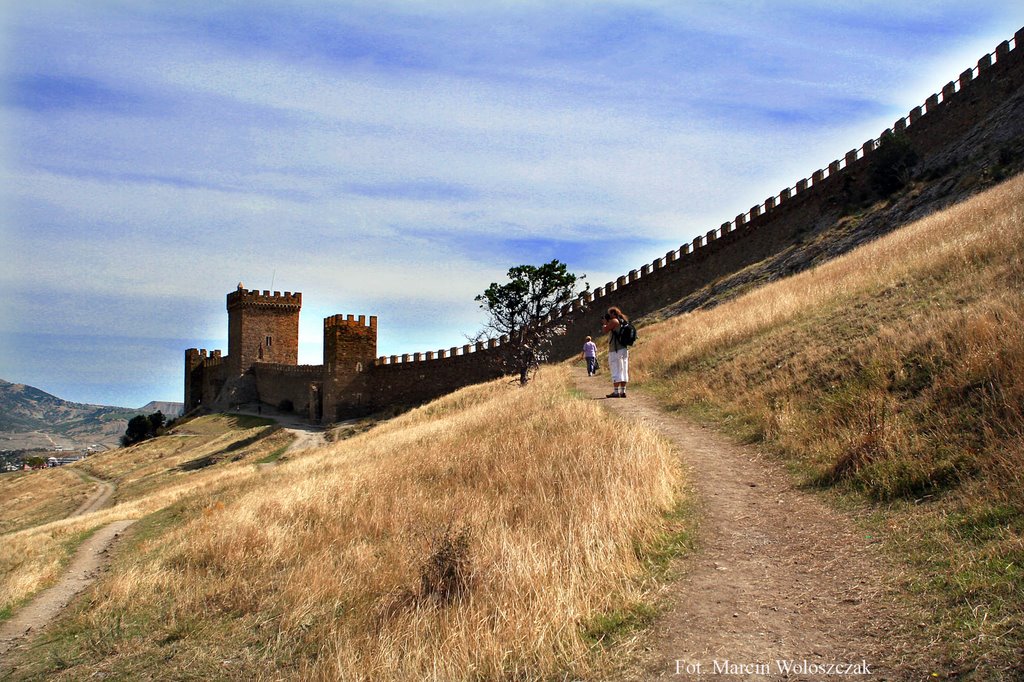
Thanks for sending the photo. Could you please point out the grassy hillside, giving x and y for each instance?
(36, 543)
(32, 498)
(497, 532)
(893, 376)
(500, 532)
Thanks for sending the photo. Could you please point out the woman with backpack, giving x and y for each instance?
(621, 335)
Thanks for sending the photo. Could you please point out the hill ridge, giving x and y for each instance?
(40, 417)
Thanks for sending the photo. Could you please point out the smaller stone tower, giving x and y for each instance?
(349, 342)
(262, 327)
(350, 348)
(203, 376)
(194, 361)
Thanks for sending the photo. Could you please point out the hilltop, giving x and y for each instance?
(32, 418)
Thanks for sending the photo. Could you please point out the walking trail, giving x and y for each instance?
(86, 565)
(99, 497)
(777, 576)
(91, 557)
(306, 438)
(307, 435)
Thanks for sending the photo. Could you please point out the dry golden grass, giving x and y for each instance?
(149, 478)
(896, 374)
(33, 497)
(192, 439)
(200, 443)
(473, 538)
(845, 366)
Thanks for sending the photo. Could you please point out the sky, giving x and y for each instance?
(395, 158)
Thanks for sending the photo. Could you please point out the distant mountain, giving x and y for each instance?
(30, 417)
(169, 409)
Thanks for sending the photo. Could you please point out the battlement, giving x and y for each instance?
(202, 370)
(262, 327)
(1007, 58)
(350, 321)
(349, 341)
(1008, 55)
(200, 356)
(242, 297)
(441, 354)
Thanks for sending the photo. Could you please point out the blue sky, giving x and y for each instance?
(395, 158)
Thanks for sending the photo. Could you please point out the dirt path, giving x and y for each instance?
(778, 576)
(85, 565)
(98, 499)
(44, 608)
(307, 435)
(305, 439)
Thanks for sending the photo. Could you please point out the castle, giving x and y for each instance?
(971, 121)
(262, 364)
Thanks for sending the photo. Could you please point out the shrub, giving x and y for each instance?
(891, 164)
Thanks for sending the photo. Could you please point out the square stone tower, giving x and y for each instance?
(262, 327)
(350, 348)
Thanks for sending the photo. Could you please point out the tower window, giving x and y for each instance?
(269, 342)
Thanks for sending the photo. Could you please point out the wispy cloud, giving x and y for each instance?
(416, 190)
(42, 93)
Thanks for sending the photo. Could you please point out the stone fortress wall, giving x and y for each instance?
(263, 327)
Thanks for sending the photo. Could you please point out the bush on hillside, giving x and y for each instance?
(891, 164)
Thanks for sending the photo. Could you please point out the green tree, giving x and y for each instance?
(157, 421)
(142, 427)
(517, 308)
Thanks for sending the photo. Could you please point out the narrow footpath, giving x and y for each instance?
(85, 566)
(308, 436)
(99, 498)
(780, 585)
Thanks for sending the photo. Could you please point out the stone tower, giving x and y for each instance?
(262, 327)
(350, 347)
(349, 342)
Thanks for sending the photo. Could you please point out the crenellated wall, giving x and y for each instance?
(352, 381)
(776, 223)
(417, 378)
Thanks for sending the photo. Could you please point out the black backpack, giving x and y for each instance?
(626, 333)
